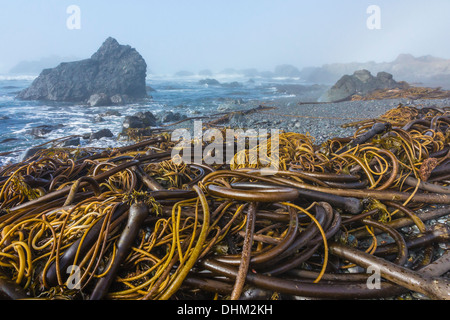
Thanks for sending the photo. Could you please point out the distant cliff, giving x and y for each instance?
(426, 70)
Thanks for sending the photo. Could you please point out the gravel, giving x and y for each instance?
(322, 120)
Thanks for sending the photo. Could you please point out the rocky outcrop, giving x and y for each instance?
(41, 131)
(209, 82)
(361, 83)
(104, 133)
(425, 70)
(140, 120)
(113, 70)
(145, 122)
(99, 99)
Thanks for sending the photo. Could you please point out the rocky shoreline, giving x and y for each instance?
(321, 120)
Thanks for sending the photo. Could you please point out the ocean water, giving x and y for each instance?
(184, 95)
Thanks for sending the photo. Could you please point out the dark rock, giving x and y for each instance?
(110, 113)
(104, 133)
(132, 122)
(209, 82)
(4, 118)
(40, 131)
(169, 116)
(73, 142)
(150, 89)
(99, 100)
(8, 140)
(113, 69)
(361, 82)
(139, 120)
(28, 153)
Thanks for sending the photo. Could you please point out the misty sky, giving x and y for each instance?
(192, 35)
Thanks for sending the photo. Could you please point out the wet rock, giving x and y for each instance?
(40, 131)
(169, 116)
(73, 142)
(110, 113)
(104, 133)
(28, 153)
(99, 100)
(8, 140)
(139, 120)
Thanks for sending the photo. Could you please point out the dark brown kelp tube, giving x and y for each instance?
(133, 223)
(136, 216)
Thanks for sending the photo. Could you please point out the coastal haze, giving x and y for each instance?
(203, 58)
(198, 35)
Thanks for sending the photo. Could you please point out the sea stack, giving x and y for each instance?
(113, 70)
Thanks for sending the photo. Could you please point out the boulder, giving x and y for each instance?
(99, 99)
(73, 142)
(113, 69)
(104, 133)
(110, 113)
(169, 116)
(361, 83)
(139, 120)
(40, 131)
(118, 99)
(28, 153)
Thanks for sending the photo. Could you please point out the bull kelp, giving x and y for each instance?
(133, 223)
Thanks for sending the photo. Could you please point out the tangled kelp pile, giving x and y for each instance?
(133, 223)
(407, 92)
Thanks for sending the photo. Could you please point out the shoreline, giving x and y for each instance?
(321, 120)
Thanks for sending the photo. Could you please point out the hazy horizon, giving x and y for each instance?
(196, 35)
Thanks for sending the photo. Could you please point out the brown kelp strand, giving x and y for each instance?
(310, 221)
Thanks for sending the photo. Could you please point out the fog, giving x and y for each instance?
(174, 35)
